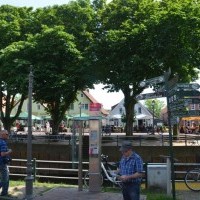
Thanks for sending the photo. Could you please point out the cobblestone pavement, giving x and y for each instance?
(74, 194)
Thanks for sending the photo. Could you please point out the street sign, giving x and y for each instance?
(186, 113)
(190, 86)
(152, 81)
(150, 95)
(185, 87)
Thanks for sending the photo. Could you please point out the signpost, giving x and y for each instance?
(150, 95)
(152, 81)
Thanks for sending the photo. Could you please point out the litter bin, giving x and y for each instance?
(157, 177)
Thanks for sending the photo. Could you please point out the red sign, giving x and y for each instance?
(95, 106)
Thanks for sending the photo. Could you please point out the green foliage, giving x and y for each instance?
(139, 40)
(158, 105)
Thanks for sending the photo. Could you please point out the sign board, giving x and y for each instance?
(150, 95)
(95, 106)
(185, 86)
(152, 81)
(191, 86)
(186, 113)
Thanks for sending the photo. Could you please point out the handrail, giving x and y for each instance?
(38, 171)
(138, 140)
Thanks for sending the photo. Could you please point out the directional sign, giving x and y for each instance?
(191, 86)
(152, 81)
(150, 95)
(177, 107)
(185, 86)
(186, 113)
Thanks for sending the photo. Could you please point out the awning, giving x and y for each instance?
(143, 116)
(191, 118)
(117, 116)
(24, 115)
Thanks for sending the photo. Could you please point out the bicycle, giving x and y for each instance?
(192, 180)
(107, 173)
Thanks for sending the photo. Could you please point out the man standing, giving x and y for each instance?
(4, 159)
(131, 172)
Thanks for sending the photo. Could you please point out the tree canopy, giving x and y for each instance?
(139, 40)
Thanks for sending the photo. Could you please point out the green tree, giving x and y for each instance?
(138, 40)
(13, 80)
(58, 68)
(158, 106)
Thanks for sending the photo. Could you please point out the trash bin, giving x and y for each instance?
(157, 177)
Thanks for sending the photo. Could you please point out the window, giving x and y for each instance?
(38, 106)
(192, 106)
(139, 110)
(71, 107)
(81, 94)
(120, 110)
(85, 106)
(199, 106)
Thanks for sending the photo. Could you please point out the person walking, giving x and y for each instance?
(131, 172)
(4, 160)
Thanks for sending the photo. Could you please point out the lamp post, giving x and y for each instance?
(153, 109)
(29, 178)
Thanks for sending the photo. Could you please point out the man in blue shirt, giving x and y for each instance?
(131, 172)
(4, 155)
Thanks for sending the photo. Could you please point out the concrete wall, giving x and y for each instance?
(55, 151)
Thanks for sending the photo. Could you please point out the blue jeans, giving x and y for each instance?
(4, 173)
(131, 191)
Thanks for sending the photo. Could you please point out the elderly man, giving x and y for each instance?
(4, 159)
(131, 171)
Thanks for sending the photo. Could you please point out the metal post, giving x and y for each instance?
(29, 178)
(80, 164)
(153, 108)
(166, 76)
(73, 145)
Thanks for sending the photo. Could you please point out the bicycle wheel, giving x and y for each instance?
(87, 177)
(192, 180)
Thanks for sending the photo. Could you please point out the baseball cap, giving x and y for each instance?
(126, 145)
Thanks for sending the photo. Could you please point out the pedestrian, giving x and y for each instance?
(4, 161)
(131, 172)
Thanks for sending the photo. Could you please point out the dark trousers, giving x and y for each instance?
(131, 191)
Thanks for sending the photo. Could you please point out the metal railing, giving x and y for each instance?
(153, 140)
(115, 140)
(63, 170)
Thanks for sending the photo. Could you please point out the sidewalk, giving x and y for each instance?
(74, 194)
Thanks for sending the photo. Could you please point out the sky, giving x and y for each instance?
(33, 3)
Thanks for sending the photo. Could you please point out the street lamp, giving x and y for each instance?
(153, 109)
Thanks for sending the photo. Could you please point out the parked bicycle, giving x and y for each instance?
(107, 173)
(192, 180)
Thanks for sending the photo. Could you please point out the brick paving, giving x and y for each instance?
(74, 194)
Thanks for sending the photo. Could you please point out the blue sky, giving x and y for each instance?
(33, 3)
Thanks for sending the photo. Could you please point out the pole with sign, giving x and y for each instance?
(167, 75)
(95, 148)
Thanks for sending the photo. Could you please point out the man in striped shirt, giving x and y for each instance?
(131, 172)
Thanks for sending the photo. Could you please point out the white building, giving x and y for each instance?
(143, 116)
